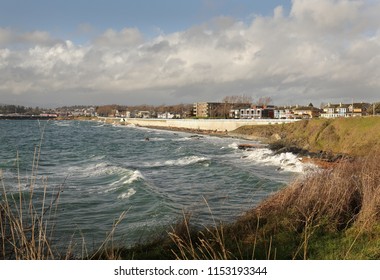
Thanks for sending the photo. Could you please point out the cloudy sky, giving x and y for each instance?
(55, 53)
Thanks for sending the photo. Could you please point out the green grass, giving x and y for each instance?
(353, 136)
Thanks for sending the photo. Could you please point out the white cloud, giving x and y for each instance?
(326, 14)
(322, 50)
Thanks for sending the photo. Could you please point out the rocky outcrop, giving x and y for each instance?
(250, 146)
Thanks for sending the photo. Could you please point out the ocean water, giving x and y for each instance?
(103, 170)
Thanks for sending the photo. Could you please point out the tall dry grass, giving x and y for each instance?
(27, 225)
(27, 216)
(28, 220)
(346, 194)
(193, 244)
(331, 201)
(326, 202)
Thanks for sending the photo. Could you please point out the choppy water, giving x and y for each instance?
(106, 169)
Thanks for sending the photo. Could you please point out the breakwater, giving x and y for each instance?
(219, 125)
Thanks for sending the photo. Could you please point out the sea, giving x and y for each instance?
(154, 176)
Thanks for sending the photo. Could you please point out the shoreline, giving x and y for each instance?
(322, 160)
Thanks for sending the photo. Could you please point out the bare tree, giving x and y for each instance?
(264, 101)
(235, 99)
(105, 110)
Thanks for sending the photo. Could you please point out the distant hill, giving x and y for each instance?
(353, 136)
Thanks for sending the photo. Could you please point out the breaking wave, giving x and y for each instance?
(233, 146)
(179, 162)
(129, 178)
(284, 161)
(127, 194)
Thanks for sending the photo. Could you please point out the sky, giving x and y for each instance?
(95, 52)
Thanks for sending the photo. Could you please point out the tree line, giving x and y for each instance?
(15, 109)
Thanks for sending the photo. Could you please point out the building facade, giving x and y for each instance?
(345, 110)
(306, 112)
(253, 112)
(218, 109)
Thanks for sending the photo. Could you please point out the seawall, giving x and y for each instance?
(220, 125)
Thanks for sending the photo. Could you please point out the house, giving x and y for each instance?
(284, 112)
(345, 110)
(143, 114)
(306, 112)
(254, 112)
(359, 109)
(251, 113)
(335, 111)
(235, 109)
(166, 115)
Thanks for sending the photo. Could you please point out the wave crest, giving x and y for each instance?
(189, 160)
(127, 194)
(285, 161)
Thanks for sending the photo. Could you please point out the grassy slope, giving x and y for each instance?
(353, 136)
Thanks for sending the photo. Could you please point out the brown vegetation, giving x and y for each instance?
(329, 214)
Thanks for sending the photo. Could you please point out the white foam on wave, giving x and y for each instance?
(62, 123)
(128, 179)
(233, 146)
(123, 181)
(284, 161)
(99, 125)
(127, 194)
(180, 162)
(94, 169)
(112, 178)
(186, 161)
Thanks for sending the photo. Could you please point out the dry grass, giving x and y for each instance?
(27, 226)
(330, 201)
(343, 202)
(199, 245)
(28, 216)
(107, 249)
(27, 223)
(346, 194)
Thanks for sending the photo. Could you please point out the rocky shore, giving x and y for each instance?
(270, 136)
(322, 159)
